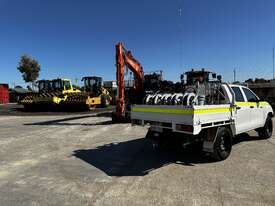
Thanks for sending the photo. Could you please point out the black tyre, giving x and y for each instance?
(105, 101)
(26, 108)
(266, 131)
(223, 144)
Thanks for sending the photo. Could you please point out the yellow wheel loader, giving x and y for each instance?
(93, 95)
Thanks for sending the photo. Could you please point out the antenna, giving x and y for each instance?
(180, 34)
(273, 62)
(234, 75)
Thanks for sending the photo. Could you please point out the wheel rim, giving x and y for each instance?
(222, 144)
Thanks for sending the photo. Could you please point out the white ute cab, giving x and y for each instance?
(215, 125)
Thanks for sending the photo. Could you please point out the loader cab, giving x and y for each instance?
(44, 85)
(92, 85)
(61, 84)
(67, 84)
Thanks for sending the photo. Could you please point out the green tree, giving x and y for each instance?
(29, 68)
(249, 81)
(260, 80)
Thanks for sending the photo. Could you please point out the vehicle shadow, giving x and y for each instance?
(18, 110)
(64, 121)
(138, 158)
(245, 137)
(59, 109)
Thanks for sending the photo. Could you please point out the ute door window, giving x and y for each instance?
(250, 96)
(238, 94)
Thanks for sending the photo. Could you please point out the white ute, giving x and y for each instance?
(215, 125)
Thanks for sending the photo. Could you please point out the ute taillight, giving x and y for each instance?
(184, 128)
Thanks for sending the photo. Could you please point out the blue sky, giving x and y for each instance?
(73, 38)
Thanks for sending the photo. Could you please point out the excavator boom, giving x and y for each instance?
(125, 58)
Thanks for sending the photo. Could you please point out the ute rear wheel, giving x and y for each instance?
(266, 131)
(223, 144)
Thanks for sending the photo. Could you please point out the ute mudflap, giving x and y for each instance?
(179, 118)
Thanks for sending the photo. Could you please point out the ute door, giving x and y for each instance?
(242, 113)
(256, 111)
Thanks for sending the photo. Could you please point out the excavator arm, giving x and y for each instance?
(125, 58)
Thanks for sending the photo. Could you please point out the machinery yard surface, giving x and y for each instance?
(84, 159)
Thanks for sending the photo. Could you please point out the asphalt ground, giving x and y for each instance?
(84, 159)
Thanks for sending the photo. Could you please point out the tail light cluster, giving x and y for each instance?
(184, 128)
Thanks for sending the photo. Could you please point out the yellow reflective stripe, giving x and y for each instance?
(212, 110)
(264, 104)
(181, 111)
(247, 104)
(158, 110)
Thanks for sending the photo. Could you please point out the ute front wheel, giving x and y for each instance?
(266, 131)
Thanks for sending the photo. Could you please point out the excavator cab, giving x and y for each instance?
(93, 85)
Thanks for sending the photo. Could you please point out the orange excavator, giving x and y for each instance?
(125, 58)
